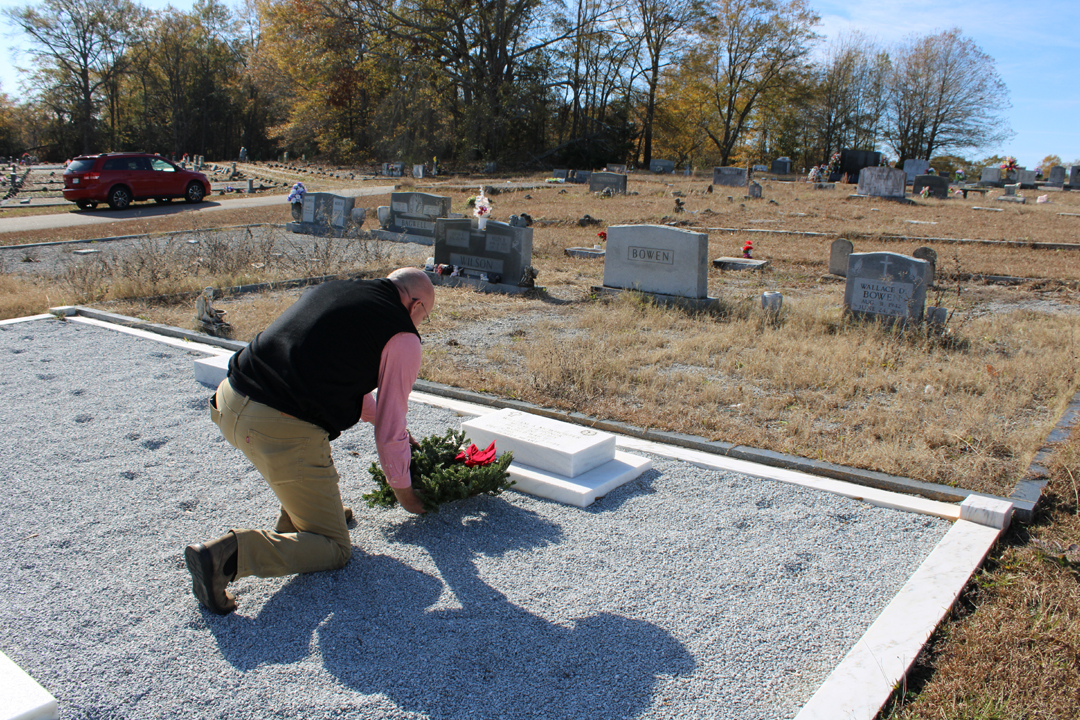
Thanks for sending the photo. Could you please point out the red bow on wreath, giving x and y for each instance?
(473, 456)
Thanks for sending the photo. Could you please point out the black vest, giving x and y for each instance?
(322, 355)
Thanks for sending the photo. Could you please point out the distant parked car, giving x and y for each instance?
(121, 178)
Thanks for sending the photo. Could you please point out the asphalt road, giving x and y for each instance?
(103, 214)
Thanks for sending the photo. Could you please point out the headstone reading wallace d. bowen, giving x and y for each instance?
(657, 259)
(886, 286)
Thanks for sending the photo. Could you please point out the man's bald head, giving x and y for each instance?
(414, 283)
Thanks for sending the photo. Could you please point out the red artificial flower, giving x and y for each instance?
(473, 456)
(602, 234)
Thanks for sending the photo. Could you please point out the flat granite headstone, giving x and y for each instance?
(886, 286)
(733, 263)
(600, 181)
(838, 256)
(729, 176)
(556, 460)
(885, 182)
(657, 259)
(501, 249)
(415, 213)
(913, 167)
(991, 176)
(939, 186)
(661, 167)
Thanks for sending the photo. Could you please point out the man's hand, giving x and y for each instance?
(413, 441)
(409, 500)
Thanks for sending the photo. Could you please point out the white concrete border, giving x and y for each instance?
(28, 318)
(864, 680)
(21, 697)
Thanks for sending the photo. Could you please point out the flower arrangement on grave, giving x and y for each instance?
(297, 193)
(602, 235)
(443, 470)
(481, 205)
(834, 166)
(748, 249)
(960, 177)
(1010, 164)
(925, 192)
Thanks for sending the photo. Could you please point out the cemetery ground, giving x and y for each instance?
(967, 406)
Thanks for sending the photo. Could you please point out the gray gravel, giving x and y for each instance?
(685, 594)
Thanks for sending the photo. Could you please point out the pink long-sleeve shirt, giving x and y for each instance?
(398, 368)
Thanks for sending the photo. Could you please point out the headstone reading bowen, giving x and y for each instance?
(600, 181)
(729, 176)
(886, 286)
(1057, 176)
(501, 251)
(838, 256)
(414, 213)
(661, 167)
(913, 167)
(939, 186)
(885, 182)
(657, 259)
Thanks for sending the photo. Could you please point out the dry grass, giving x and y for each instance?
(966, 407)
(1012, 651)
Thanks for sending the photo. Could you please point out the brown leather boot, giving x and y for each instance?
(206, 562)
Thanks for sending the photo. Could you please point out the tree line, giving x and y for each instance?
(527, 83)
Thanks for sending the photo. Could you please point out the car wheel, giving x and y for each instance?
(163, 201)
(194, 193)
(119, 197)
(85, 204)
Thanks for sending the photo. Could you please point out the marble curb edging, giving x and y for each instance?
(23, 697)
(169, 233)
(1025, 496)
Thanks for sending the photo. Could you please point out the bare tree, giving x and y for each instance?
(79, 46)
(850, 97)
(944, 94)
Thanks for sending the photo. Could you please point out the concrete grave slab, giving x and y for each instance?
(657, 259)
(734, 263)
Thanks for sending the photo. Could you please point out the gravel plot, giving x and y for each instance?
(685, 594)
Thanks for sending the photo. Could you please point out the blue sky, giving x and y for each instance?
(1036, 46)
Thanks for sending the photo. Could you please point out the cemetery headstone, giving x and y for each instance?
(559, 173)
(418, 172)
(886, 286)
(415, 213)
(754, 190)
(852, 163)
(913, 167)
(929, 255)
(661, 167)
(393, 169)
(781, 166)
(324, 215)
(621, 169)
(729, 176)
(939, 186)
(1057, 176)
(991, 176)
(600, 181)
(838, 256)
(1074, 177)
(581, 177)
(761, 168)
(491, 167)
(1026, 178)
(657, 259)
(885, 182)
(1010, 190)
(501, 251)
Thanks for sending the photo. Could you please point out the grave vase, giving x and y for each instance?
(771, 301)
(481, 223)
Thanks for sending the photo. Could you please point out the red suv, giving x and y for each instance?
(120, 178)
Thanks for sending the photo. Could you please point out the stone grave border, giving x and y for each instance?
(478, 284)
(867, 676)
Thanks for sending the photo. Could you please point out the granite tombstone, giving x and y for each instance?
(661, 167)
(729, 176)
(500, 251)
(838, 256)
(885, 182)
(657, 259)
(781, 166)
(1074, 177)
(325, 215)
(913, 167)
(886, 286)
(600, 181)
(1057, 176)
(938, 186)
(414, 213)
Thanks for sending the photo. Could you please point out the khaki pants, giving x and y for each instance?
(294, 458)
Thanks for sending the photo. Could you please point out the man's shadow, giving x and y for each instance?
(376, 634)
